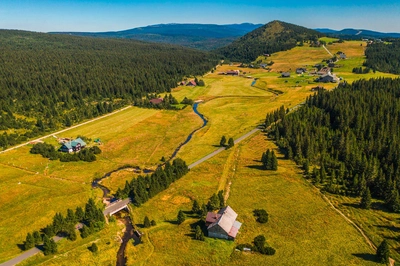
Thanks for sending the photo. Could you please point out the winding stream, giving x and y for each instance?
(121, 259)
(205, 121)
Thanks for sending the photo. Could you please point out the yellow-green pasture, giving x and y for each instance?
(303, 228)
(76, 253)
(378, 223)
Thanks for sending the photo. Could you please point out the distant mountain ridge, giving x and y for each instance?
(200, 36)
(358, 33)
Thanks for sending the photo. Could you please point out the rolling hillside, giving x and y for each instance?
(273, 37)
(199, 36)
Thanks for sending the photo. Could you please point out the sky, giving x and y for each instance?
(101, 15)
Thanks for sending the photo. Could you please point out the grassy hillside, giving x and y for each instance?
(272, 37)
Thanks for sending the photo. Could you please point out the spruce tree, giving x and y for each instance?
(223, 141)
(366, 199)
(199, 235)
(146, 222)
(231, 143)
(37, 237)
(195, 207)
(181, 217)
(213, 203)
(383, 252)
(29, 242)
(274, 161)
(93, 248)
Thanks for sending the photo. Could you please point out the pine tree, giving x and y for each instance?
(223, 141)
(37, 237)
(231, 143)
(181, 217)
(274, 161)
(203, 211)
(213, 203)
(49, 245)
(383, 252)
(199, 235)
(366, 199)
(94, 248)
(146, 222)
(29, 242)
(153, 223)
(195, 207)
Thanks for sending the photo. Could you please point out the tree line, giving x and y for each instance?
(143, 188)
(384, 57)
(351, 137)
(53, 81)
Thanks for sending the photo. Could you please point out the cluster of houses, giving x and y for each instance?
(324, 74)
(73, 145)
(223, 224)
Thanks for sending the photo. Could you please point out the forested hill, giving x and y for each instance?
(272, 37)
(384, 57)
(199, 36)
(352, 135)
(49, 81)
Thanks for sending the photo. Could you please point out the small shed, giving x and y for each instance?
(285, 75)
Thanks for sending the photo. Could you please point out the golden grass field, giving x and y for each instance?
(34, 188)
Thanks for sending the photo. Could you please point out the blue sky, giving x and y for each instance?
(101, 15)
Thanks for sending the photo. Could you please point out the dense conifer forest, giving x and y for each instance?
(352, 137)
(384, 57)
(51, 81)
(272, 37)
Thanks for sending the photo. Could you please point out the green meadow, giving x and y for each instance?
(34, 188)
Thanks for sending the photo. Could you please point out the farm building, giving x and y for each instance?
(191, 83)
(223, 224)
(156, 100)
(328, 78)
(73, 146)
(342, 56)
(232, 72)
(324, 71)
(285, 75)
(301, 70)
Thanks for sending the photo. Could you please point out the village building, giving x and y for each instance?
(328, 78)
(285, 75)
(324, 71)
(191, 83)
(342, 56)
(301, 70)
(223, 224)
(73, 146)
(232, 72)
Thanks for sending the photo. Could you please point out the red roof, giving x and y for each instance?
(157, 100)
(191, 83)
(212, 217)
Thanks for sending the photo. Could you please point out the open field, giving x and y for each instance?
(34, 188)
(378, 223)
(302, 227)
(77, 252)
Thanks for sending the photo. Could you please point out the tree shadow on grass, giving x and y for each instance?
(257, 167)
(172, 222)
(387, 227)
(366, 256)
(21, 246)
